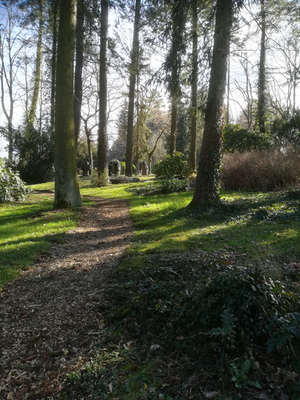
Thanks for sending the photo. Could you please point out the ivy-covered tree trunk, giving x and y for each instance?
(38, 64)
(173, 63)
(103, 139)
(78, 67)
(54, 17)
(208, 176)
(67, 192)
(194, 113)
(261, 103)
(173, 133)
(132, 80)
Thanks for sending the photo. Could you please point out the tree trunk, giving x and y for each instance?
(193, 147)
(132, 80)
(173, 63)
(7, 74)
(38, 65)
(78, 67)
(208, 176)
(227, 119)
(103, 139)
(261, 104)
(173, 133)
(54, 7)
(150, 153)
(67, 192)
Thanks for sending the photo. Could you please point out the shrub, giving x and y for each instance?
(11, 185)
(175, 166)
(239, 139)
(243, 298)
(83, 158)
(164, 186)
(101, 180)
(261, 170)
(286, 132)
(35, 152)
(179, 297)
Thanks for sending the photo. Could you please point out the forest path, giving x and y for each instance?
(50, 317)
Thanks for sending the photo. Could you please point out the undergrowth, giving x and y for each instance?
(231, 328)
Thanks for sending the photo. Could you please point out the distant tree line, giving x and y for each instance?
(83, 71)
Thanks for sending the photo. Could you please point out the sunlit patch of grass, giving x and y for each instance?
(43, 186)
(254, 225)
(108, 192)
(27, 229)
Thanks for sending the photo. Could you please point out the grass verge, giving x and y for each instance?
(29, 228)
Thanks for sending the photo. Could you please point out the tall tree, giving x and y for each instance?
(261, 103)
(10, 49)
(103, 138)
(173, 63)
(67, 192)
(194, 108)
(38, 65)
(208, 176)
(78, 66)
(132, 80)
(54, 12)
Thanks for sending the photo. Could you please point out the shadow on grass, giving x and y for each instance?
(259, 224)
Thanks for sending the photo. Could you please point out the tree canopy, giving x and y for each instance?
(210, 60)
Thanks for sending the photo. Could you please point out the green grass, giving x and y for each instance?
(169, 329)
(258, 226)
(27, 229)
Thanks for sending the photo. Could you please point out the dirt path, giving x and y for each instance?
(50, 317)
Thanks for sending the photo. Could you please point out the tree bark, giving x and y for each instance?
(7, 77)
(78, 67)
(38, 65)
(194, 110)
(173, 133)
(261, 104)
(173, 63)
(103, 139)
(54, 6)
(208, 176)
(89, 141)
(132, 80)
(67, 192)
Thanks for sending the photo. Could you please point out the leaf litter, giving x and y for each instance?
(49, 316)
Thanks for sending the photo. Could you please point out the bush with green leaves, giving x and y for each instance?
(11, 185)
(175, 166)
(285, 132)
(180, 298)
(164, 186)
(239, 139)
(35, 155)
(285, 333)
